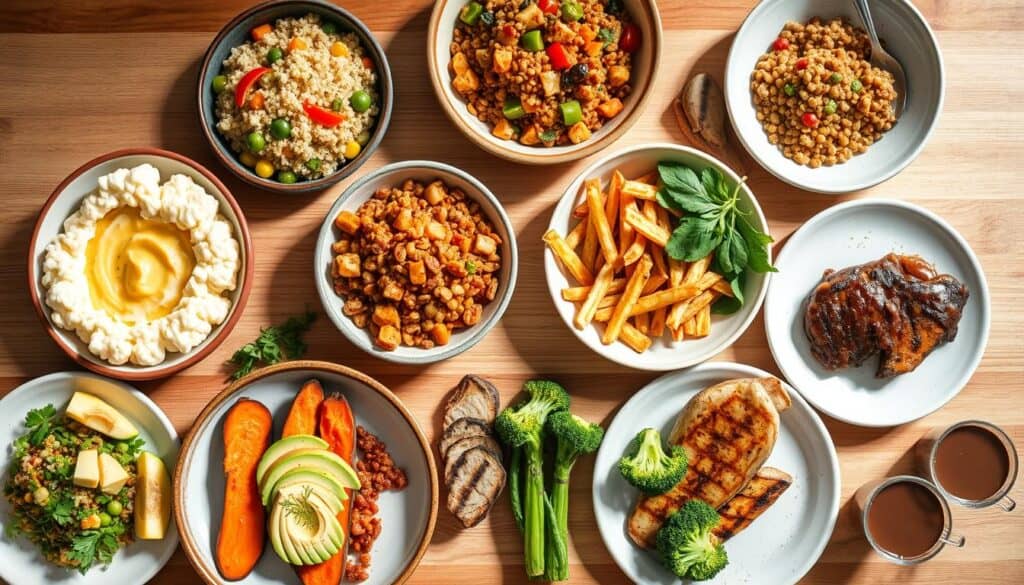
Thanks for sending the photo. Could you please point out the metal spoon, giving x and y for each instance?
(883, 60)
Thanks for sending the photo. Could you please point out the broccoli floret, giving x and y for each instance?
(520, 427)
(648, 468)
(574, 437)
(687, 546)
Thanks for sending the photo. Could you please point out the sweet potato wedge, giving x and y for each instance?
(302, 418)
(247, 429)
(337, 427)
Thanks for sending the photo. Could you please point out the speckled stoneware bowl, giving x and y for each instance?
(425, 172)
(67, 198)
(236, 33)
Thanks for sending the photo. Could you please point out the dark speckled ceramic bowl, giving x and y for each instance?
(236, 33)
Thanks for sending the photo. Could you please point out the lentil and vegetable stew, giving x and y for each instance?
(546, 73)
(416, 263)
(817, 95)
(298, 100)
(73, 526)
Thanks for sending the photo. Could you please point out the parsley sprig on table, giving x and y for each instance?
(713, 222)
(274, 344)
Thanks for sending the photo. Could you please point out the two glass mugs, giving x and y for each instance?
(925, 454)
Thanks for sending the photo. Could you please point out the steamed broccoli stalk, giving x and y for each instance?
(648, 468)
(574, 437)
(687, 546)
(520, 427)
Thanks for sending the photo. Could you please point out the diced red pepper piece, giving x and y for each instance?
(629, 40)
(801, 64)
(558, 57)
(809, 120)
(548, 6)
(248, 80)
(780, 44)
(322, 116)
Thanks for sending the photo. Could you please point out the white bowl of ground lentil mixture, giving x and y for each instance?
(808, 106)
(547, 81)
(65, 510)
(416, 262)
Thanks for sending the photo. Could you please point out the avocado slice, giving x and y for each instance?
(315, 459)
(312, 532)
(312, 477)
(100, 416)
(282, 546)
(281, 448)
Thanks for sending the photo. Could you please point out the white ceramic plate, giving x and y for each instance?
(407, 516)
(395, 174)
(664, 354)
(138, 562)
(906, 36)
(780, 546)
(853, 233)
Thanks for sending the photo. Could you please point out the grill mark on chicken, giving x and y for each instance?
(896, 307)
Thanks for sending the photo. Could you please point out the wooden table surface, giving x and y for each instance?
(84, 78)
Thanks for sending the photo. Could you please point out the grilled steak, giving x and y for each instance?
(460, 429)
(728, 431)
(756, 497)
(476, 482)
(897, 307)
(474, 397)
(459, 447)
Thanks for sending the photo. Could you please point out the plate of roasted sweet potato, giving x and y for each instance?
(305, 472)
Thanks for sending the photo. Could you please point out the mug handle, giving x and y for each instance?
(1007, 504)
(954, 540)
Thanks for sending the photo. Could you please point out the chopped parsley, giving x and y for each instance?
(274, 344)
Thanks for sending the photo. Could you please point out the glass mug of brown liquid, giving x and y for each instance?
(973, 463)
(905, 519)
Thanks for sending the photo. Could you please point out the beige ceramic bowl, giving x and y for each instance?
(66, 199)
(645, 65)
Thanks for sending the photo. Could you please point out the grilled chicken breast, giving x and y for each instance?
(755, 497)
(897, 307)
(728, 431)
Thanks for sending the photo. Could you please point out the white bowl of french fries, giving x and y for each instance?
(611, 274)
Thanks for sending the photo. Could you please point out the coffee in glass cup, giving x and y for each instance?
(973, 463)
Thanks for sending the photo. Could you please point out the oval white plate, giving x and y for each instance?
(407, 516)
(139, 561)
(664, 354)
(854, 233)
(781, 545)
(906, 35)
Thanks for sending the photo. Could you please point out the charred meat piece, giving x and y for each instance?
(474, 397)
(756, 497)
(728, 431)
(460, 429)
(451, 456)
(476, 482)
(897, 307)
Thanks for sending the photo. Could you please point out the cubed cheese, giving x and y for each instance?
(112, 475)
(87, 469)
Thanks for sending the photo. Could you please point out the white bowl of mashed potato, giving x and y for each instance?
(140, 264)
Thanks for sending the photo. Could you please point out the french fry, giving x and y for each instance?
(576, 235)
(694, 272)
(690, 327)
(678, 334)
(611, 202)
(602, 230)
(664, 298)
(583, 209)
(698, 268)
(609, 302)
(640, 190)
(649, 229)
(632, 337)
(635, 250)
(597, 291)
(654, 283)
(722, 287)
(702, 300)
(629, 297)
(642, 322)
(650, 178)
(658, 322)
(676, 271)
(703, 320)
(625, 230)
(590, 246)
(579, 293)
(568, 258)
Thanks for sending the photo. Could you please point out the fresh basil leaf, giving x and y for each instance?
(724, 191)
(757, 246)
(709, 179)
(738, 251)
(729, 305)
(723, 256)
(666, 201)
(691, 202)
(694, 239)
(680, 178)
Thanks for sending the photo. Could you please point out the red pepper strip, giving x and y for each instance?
(322, 116)
(246, 84)
(548, 6)
(557, 55)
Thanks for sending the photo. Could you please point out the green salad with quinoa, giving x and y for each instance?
(57, 497)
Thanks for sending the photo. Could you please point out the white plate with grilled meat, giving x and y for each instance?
(781, 544)
(856, 233)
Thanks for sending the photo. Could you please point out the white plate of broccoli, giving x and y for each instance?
(782, 544)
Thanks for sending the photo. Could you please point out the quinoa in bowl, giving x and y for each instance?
(545, 73)
(297, 101)
(817, 96)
